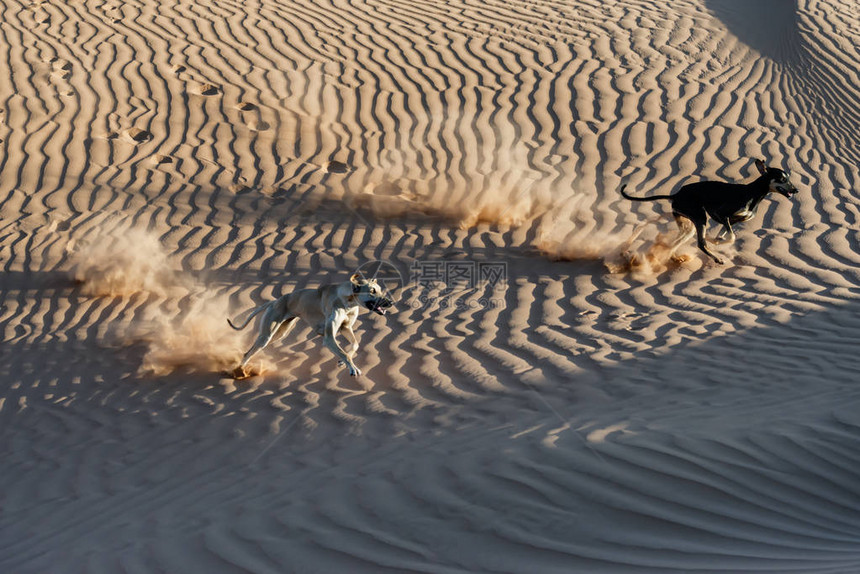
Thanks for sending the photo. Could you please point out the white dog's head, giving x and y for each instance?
(369, 293)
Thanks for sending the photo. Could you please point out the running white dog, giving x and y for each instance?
(329, 309)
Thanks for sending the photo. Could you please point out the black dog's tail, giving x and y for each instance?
(652, 198)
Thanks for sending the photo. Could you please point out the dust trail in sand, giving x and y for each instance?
(466, 203)
(192, 334)
(619, 252)
(502, 188)
(199, 340)
(465, 210)
(123, 262)
(643, 250)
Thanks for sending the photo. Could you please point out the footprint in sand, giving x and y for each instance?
(208, 90)
(334, 166)
(138, 135)
(160, 159)
(258, 125)
(59, 225)
(238, 188)
(255, 124)
(388, 188)
(61, 69)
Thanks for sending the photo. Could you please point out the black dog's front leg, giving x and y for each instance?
(703, 244)
(725, 231)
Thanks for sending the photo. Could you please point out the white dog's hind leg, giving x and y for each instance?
(269, 328)
(285, 328)
(258, 346)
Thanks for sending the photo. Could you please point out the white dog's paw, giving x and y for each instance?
(354, 371)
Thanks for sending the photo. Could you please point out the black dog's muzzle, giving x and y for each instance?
(787, 190)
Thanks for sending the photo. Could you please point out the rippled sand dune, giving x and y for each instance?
(595, 408)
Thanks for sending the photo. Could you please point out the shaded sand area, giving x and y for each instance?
(165, 165)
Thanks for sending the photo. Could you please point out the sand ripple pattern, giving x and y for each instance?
(697, 419)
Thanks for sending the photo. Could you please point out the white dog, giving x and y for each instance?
(329, 309)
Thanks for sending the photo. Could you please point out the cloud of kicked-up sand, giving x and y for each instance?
(123, 263)
(198, 340)
(641, 250)
(466, 202)
(493, 183)
(190, 332)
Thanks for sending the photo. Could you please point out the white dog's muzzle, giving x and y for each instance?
(379, 305)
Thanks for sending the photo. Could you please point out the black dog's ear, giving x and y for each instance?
(762, 168)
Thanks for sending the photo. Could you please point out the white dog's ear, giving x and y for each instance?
(762, 168)
(358, 279)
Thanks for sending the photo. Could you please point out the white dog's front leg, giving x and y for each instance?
(349, 334)
(331, 329)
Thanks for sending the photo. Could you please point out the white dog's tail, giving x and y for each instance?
(249, 317)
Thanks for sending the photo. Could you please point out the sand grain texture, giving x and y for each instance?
(164, 165)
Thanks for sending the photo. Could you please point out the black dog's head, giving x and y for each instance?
(370, 293)
(778, 181)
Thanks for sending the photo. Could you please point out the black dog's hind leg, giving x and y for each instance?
(685, 232)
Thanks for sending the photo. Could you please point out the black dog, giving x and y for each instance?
(726, 203)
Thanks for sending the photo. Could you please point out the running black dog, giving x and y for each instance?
(725, 203)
